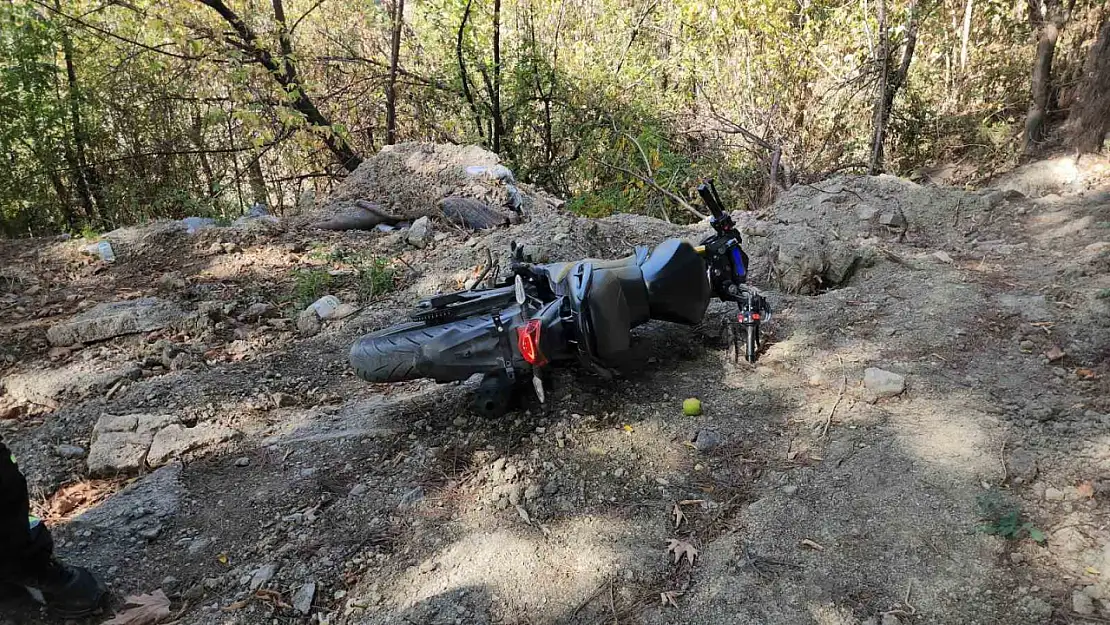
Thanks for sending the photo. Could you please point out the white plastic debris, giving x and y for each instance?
(325, 307)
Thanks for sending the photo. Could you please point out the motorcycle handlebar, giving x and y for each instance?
(712, 201)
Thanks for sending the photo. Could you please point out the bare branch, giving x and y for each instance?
(674, 197)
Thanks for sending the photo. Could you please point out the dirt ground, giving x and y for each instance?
(808, 496)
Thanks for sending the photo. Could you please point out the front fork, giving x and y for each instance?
(753, 310)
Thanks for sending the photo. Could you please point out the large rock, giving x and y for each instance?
(175, 439)
(80, 378)
(112, 319)
(120, 442)
(142, 508)
(125, 443)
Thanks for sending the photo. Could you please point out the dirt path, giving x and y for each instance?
(809, 498)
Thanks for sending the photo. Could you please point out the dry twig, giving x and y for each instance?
(840, 396)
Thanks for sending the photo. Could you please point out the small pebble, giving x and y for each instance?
(242, 462)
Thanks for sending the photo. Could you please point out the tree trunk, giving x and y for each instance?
(391, 86)
(1048, 28)
(285, 73)
(1089, 120)
(878, 116)
(891, 82)
(257, 181)
(495, 95)
(467, 93)
(75, 156)
(965, 34)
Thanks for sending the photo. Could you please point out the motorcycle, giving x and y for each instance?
(545, 314)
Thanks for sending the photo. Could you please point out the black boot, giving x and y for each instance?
(68, 591)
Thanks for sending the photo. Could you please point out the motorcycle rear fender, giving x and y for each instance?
(460, 353)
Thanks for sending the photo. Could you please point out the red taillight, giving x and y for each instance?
(755, 316)
(528, 342)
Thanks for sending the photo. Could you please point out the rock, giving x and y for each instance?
(108, 320)
(789, 489)
(1036, 606)
(1054, 494)
(120, 442)
(893, 219)
(283, 400)
(258, 310)
(866, 212)
(883, 383)
(70, 451)
(359, 490)
(197, 547)
(411, 498)
(1082, 604)
(176, 440)
(157, 495)
(1093, 252)
(1027, 345)
(419, 232)
(890, 619)
(169, 581)
(45, 386)
(534, 491)
(171, 281)
(302, 599)
(942, 257)
(1017, 557)
(459, 422)
(308, 323)
(706, 440)
(994, 198)
(261, 576)
(242, 461)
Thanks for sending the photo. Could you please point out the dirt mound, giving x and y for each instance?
(412, 180)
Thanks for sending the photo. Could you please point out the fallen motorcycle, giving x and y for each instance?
(541, 315)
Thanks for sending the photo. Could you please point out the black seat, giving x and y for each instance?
(677, 286)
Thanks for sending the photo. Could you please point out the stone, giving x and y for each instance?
(258, 310)
(70, 451)
(1054, 494)
(883, 383)
(308, 323)
(411, 498)
(176, 440)
(532, 492)
(171, 281)
(1022, 464)
(45, 386)
(419, 232)
(706, 440)
(302, 599)
(111, 319)
(1081, 603)
(157, 495)
(893, 219)
(1017, 557)
(262, 576)
(197, 547)
(242, 462)
(359, 490)
(866, 212)
(789, 489)
(283, 400)
(1036, 606)
(120, 442)
(890, 619)
(942, 256)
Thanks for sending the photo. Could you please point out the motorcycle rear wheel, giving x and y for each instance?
(396, 354)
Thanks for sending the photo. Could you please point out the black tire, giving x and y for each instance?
(396, 353)
(752, 343)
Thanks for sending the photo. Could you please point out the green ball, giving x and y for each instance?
(691, 407)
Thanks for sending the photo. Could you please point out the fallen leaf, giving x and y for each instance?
(812, 545)
(1054, 353)
(679, 517)
(145, 610)
(1086, 489)
(1086, 374)
(681, 549)
(1090, 570)
(222, 558)
(271, 596)
(627, 428)
(668, 597)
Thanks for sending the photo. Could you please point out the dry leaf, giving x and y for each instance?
(668, 597)
(1054, 353)
(627, 428)
(1086, 489)
(1090, 570)
(681, 548)
(679, 517)
(1086, 374)
(812, 545)
(146, 610)
(222, 558)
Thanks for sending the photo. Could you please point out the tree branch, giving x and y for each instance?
(674, 197)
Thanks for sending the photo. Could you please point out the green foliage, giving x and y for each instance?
(376, 277)
(1002, 517)
(310, 285)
